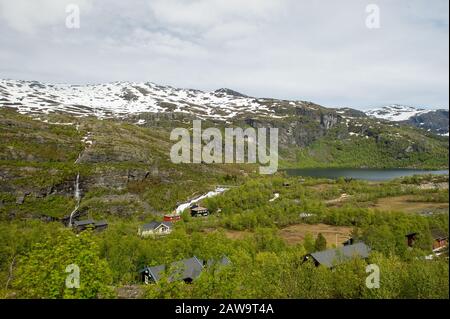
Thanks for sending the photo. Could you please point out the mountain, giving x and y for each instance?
(121, 99)
(435, 121)
(303, 126)
(116, 138)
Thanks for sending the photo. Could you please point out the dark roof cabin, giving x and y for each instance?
(83, 224)
(186, 270)
(333, 257)
(80, 225)
(199, 211)
(100, 225)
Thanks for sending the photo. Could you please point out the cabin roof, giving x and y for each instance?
(333, 257)
(198, 208)
(154, 224)
(438, 234)
(184, 269)
(101, 223)
(84, 222)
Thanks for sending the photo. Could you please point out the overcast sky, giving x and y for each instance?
(319, 51)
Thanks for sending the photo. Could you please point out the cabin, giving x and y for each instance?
(171, 217)
(286, 184)
(100, 225)
(440, 239)
(411, 239)
(199, 211)
(333, 257)
(187, 270)
(80, 225)
(155, 228)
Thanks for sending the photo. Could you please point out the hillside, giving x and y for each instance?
(116, 136)
(435, 121)
(118, 160)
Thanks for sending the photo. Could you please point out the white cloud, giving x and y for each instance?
(209, 13)
(28, 16)
(318, 51)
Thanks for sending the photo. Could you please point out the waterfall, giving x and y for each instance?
(77, 189)
(77, 198)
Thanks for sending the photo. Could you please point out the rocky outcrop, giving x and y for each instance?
(301, 130)
(433, 121)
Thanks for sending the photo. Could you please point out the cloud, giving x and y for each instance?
(290, 49)
(204, 14)
(28, 16)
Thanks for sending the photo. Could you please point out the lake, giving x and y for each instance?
(370, 174)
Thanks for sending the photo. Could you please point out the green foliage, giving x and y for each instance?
(375, 148)
(321, 243)
(309, 243)
(41, 272)
(40, 157)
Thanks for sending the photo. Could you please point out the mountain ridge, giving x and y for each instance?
(431, 120)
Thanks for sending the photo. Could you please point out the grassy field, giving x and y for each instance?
(407, 204)
(335, 235)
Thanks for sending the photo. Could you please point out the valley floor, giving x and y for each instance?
(261, 234)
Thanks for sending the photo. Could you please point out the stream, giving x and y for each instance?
(217, 191)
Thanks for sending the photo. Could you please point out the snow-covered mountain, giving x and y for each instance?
(124, 99)
(396, 112)
(435, 121)
(120, 99)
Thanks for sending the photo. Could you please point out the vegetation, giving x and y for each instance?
(263, 264)
(127, 179)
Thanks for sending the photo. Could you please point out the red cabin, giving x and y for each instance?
(171, 218)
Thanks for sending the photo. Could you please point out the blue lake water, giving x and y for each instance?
(361, 173)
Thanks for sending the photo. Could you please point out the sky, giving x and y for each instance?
(320, 51)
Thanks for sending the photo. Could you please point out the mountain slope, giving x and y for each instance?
(120, 147)
(435, 121)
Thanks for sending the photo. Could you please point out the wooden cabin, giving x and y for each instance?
(333, 257)
(171, 217)
(155, 229)
(80, 225)
(440, 239)
(187, 270)
(199, 211)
